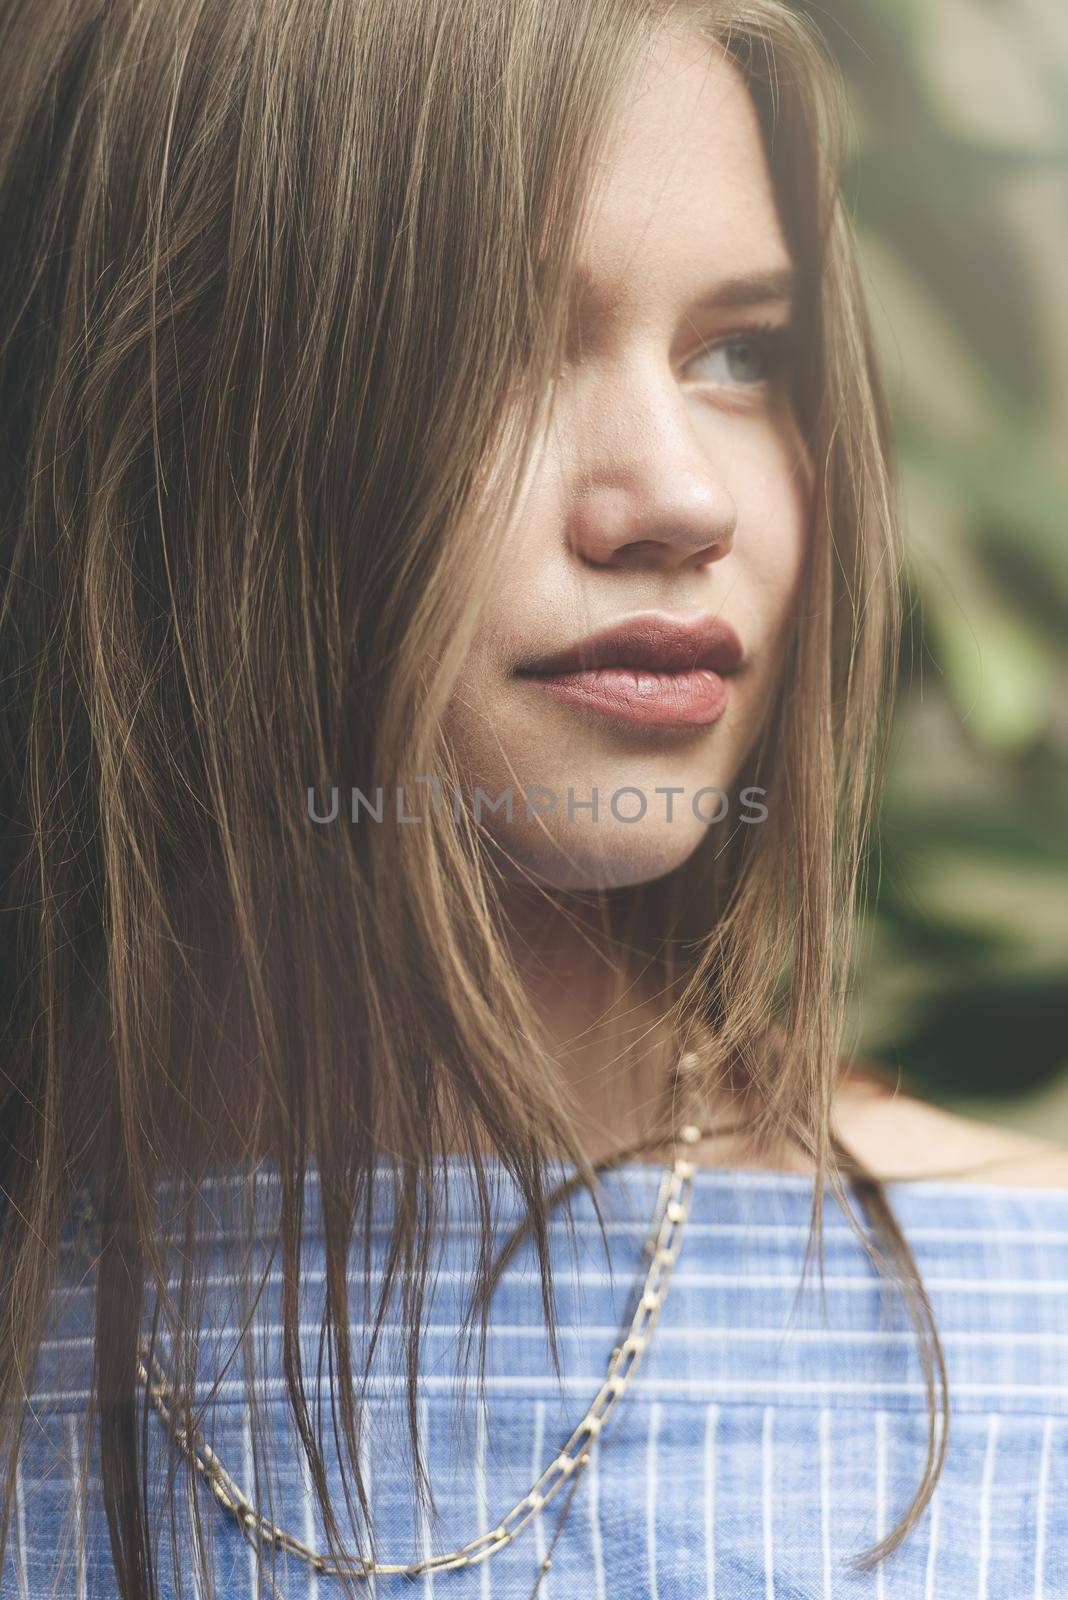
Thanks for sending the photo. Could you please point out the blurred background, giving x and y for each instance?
(958, 184)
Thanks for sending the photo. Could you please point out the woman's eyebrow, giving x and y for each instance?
(590, 298)
(750, 289)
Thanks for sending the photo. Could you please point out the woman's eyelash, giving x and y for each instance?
(772, 341)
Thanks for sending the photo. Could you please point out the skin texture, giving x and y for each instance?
(672, 480)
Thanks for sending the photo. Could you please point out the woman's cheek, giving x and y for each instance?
(774, 496)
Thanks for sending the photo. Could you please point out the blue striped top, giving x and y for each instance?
(768, 1437)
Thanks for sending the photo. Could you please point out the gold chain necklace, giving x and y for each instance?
(662, 1246)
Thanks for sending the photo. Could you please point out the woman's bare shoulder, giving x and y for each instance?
(897, 1135)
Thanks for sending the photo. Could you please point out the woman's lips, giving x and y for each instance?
(693, 699)
(655, 668)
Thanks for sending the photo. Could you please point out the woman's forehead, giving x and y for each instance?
(685, 203)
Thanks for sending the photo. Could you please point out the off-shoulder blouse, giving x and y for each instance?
(769, 1435)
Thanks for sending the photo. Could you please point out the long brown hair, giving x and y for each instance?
(279, 281)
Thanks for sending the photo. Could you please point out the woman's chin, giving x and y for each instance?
(608, 856)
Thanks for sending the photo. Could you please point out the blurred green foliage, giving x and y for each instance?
(958, 184)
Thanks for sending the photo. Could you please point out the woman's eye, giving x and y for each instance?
(745, 361)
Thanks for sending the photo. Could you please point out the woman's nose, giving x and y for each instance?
(645, 491)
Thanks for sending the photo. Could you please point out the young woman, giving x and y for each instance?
(450, 585)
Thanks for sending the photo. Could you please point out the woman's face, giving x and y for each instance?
(649, 585)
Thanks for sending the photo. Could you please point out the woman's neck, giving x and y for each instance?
(604, 1010)
(602, 1018)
